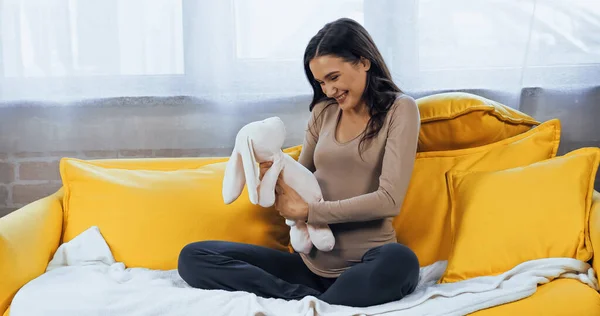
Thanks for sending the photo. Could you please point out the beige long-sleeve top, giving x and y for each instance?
(361, 195)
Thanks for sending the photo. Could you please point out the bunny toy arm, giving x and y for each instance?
(269, 180)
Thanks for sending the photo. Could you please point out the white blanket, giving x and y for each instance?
(84, 279)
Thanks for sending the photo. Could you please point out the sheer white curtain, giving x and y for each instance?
(252, 49)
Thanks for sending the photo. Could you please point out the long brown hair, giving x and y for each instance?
(347, 39)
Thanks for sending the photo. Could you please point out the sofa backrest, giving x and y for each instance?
(458, 131)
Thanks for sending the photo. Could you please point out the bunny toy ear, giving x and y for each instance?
(233, 179)
(250, 169)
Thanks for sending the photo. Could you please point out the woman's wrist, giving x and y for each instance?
(306, 211)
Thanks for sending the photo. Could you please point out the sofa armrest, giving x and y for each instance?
(29, 238)
(595, 231)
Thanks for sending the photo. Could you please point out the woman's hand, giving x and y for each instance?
(264, 166)
(289, 203)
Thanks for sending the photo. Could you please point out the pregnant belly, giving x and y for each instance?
(353, 240)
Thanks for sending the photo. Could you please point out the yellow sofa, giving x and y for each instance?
(134, 200)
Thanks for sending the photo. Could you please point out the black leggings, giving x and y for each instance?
(386, 273)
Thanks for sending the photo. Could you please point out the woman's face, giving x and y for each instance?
(341, 80)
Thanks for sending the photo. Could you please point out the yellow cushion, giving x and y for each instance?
(500, 219)
(458, 120)
(424, 223)
(148, 216)
(595, 230)
(562, 297)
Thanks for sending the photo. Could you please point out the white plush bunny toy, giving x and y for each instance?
(261, 141)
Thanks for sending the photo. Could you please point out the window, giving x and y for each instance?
(565, 33)
(253, 49)
(503, 33)
(280, 30)
(68, 38)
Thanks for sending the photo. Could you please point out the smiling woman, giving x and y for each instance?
(343, 82)
(342, 62)
(353, 95)
(339, 79)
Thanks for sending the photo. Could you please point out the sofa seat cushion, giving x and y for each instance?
(561, 297)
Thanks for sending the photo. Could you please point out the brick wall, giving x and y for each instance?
(28, 176)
